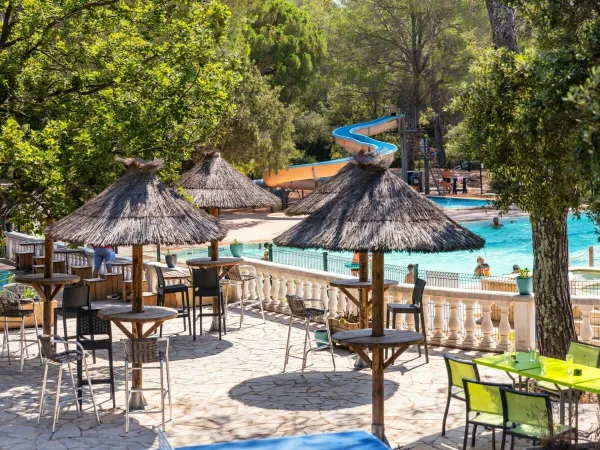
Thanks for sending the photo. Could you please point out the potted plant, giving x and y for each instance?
(524, 282)
(170, 259)
(236, 248)
(345, 321)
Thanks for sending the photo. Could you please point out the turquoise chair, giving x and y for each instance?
(4, 277)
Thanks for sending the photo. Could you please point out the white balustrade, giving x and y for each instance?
(266, 290)
(504, 328)
(586, 333)
(438, 337)
(282, 304)
(469, 340)
(453, 338)
(487, 327)
(274, 292)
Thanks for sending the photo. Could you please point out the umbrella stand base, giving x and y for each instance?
(137, 402)
(379, 432)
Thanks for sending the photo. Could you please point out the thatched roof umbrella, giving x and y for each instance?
(215, 184)
(377, 212)
(138, 209)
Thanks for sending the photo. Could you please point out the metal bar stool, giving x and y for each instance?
(53, 357)
(237, 278)
(13, 308)
(74, 297)
(205, 283)
(162, 289)
(299, 310)
(145, 351)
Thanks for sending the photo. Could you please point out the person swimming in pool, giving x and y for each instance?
(482, 269)
(496, 223)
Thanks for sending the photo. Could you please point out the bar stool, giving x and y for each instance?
(53, 357)
(13, 308)
(97, 288)
(236, 278)
(205, 283)
(74, 297)
(299, 310)
(24, 261)
(162, 289)
(147, 351)
(83, 272)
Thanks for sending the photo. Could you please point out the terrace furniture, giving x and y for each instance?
(83, 272)
(416, 308)
(74, 297)
(120, 264)
(95, 334)
(12, 308)
(97, 288)
(458, 370)
(66, 251)
(235, 277)
(113, 284)
(52, 356)
(205, 283)
(583, 354)
(153, 315)
(300, 310)
(57, 266)
(527, 415)
(24, 261)
(23, 293)
(127, 287)
(484, 407)
(163, 289)
(33, 245)
(147, 351)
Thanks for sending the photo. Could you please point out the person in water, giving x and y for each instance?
(482, 269)
(516, 269)
(410, 276)
(496, 223)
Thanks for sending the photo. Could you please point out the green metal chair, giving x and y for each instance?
(528, 415)
(484, 407)
(583, 354)
(458, 370)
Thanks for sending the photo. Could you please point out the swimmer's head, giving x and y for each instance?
(495, 220)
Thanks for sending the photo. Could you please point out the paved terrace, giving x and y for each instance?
(234, 389)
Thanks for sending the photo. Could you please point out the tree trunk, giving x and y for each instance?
(502, 20)
(554, 314)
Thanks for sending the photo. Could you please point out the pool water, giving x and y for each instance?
(457, 202)
(504, 247)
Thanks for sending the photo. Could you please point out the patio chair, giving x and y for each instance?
(300, 310)
(458, 370)
(53, 357)
(74, 297)
(484, 407)
(584, 354)
(235, 277)
(95, 334)
(13, 310)
(162, 289)
(528, 415)
(205, 283)
(416, 308)
(147, 351)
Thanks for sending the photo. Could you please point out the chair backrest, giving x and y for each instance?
(417, 294)
(234, 274)
(205, 282)
(144, 350)
(160, 276)
(585, 354)
(527, 408)
(74, 297)
(297, 305)
(50, 350)
(483, 397)
(89, 324)
(10, 307)
(459, 369)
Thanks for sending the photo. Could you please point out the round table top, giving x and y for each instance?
(67, 250)
(150, 314)
(363, 338)
(356, 284)
(207, 263)
(32, 243)
(57, 279)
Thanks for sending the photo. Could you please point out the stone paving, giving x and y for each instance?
(234, 389)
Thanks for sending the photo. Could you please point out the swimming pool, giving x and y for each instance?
(505, 246)
(457, 202)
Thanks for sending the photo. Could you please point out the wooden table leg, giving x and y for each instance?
(47, 319)
(138, 401)
(377, 425)
(215, 322)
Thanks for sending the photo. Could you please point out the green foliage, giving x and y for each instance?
(312, 135)
(524, 273)
(83, 81)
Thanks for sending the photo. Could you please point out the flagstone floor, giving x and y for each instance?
(235, 389)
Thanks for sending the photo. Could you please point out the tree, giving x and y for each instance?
(81, 81)
(502, 20)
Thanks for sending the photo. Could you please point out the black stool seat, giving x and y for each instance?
(314, 312)
(172, 288)
(403, 308)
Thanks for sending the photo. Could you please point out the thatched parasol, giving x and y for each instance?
(215, 184)
(377, 212)
(138, 209)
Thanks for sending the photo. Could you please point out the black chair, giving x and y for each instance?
(74, 297)
(162, 289)
(89, 327)
(205, 283)
(416, 308)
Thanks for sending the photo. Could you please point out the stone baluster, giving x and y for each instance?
(299, 287)
(266, 290)
(341, 302)
(333, 300)
(274, 292)
(487, 327)
(426, 317)
(252, 294)
(324, 296)
(453, 339)
(409, 319)
(291, 287)
(259, 286)
(438, 321)
(282, 305)
(469, 340)
(504, 327)
(586, 332)
(316, 290)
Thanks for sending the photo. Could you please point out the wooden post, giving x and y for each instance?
(377, 294)
(377, 425)
(137, 302)
(48, 270)
(214, 245)
(363, 275)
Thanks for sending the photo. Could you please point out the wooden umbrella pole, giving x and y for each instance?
(48, 270)
(377, 425)
(214, 245)
(137, 304)
(363, 275)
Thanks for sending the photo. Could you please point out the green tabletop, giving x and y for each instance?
(557, 373)
(515, 366)
(588, 386)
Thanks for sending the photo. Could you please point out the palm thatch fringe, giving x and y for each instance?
(216, 184)
(138, 209)
(376, 211)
